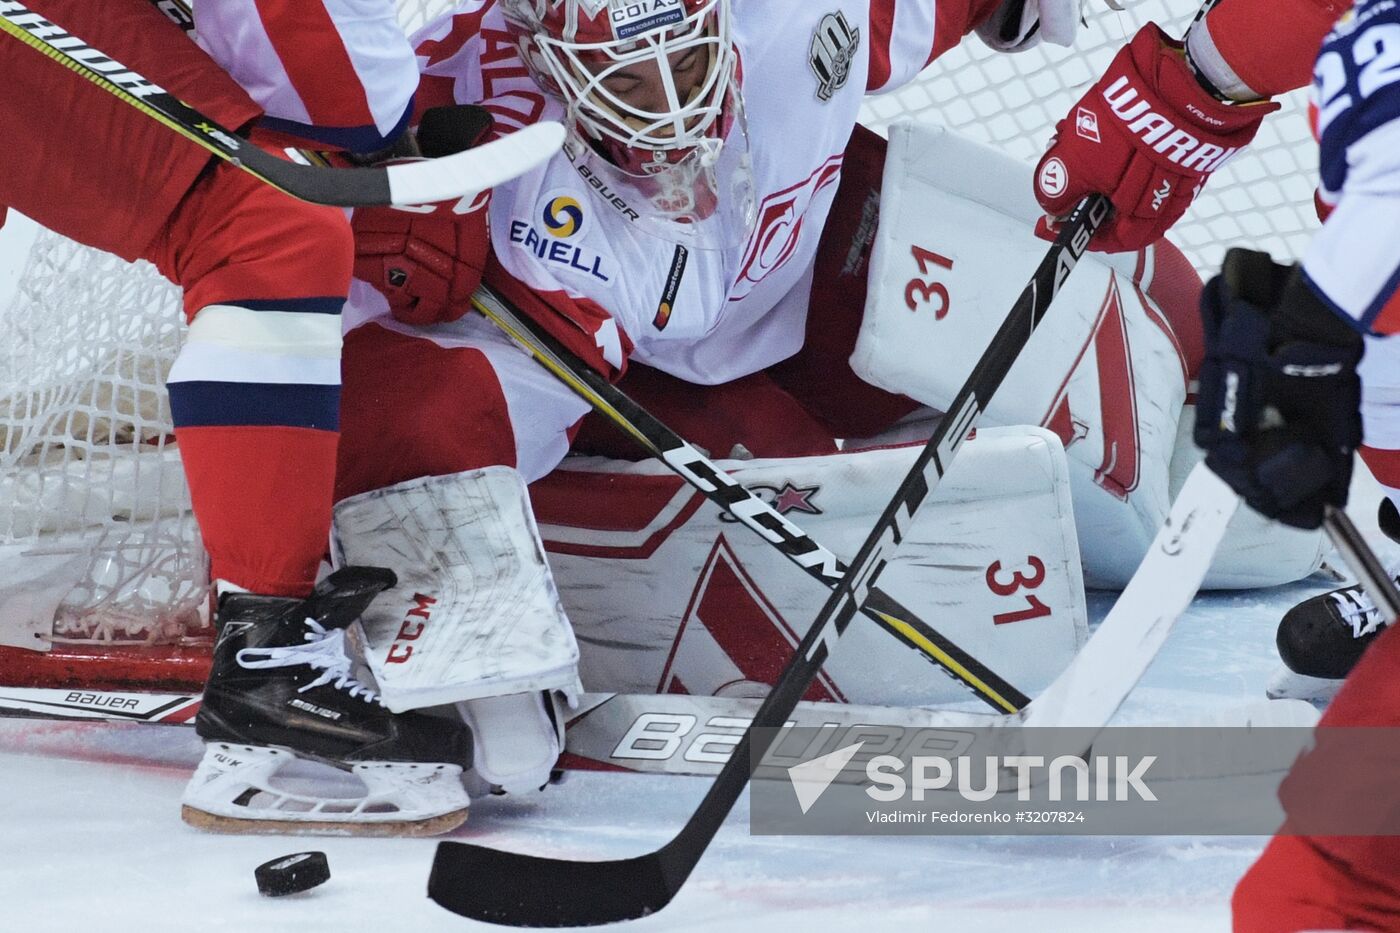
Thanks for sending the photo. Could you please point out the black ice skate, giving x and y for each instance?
(282, 689)
(1321, 639)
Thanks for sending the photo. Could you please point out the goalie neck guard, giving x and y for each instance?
(654, 105)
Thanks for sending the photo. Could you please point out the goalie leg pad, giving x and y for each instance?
(475, 613)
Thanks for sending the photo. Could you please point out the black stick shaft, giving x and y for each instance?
(1363, 562)
(680, 855)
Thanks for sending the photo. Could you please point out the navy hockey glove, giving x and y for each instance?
(1278, 410)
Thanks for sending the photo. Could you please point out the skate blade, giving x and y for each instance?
(431, 826)
(1287, 685)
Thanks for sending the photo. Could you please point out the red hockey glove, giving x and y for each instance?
(427, 265)
(1148, 136)
(427, 261)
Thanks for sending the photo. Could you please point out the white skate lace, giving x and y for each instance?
(324, 651)
(1358, 610)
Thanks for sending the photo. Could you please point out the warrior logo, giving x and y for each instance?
(834, 44)
(1053, 178)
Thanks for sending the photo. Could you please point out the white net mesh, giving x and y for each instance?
(89, 473)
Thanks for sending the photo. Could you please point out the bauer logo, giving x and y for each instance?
(633, 17)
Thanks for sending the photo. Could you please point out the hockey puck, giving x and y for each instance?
(292, 874)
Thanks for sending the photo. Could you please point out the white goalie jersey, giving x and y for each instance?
(730, 299)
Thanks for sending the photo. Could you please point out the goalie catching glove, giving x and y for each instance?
(427, 261)
(1148, 135)
(1278, 411)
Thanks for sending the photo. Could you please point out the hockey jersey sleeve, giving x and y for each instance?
(467, 57)
(906, 35)
(340, 72)
(1225, 47)
(1353, 263)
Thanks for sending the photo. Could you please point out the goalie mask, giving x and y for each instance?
(652, 92)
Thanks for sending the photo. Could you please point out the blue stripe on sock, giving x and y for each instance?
(209, 404)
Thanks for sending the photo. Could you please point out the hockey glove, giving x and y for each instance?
(1148, 136)
(1278, 410)
(427, 261)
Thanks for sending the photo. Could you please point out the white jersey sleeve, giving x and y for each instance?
(1353, 264)
(340, 72)
(906, 35)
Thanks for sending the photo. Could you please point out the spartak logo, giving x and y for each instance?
(414, 623)
(732, 642)
(778, 229)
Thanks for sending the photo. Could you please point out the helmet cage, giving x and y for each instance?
(577, 70)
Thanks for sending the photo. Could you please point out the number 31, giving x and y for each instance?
(927, 290)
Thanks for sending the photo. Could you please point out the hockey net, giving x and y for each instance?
(98, 549)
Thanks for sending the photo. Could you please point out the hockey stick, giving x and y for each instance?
(524, 890)
(1363, 562)
(408, 183)
(723, 490)
(680, 735)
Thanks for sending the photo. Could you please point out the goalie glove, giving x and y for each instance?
(428, 260)
(1148, 135)
(1279, 407)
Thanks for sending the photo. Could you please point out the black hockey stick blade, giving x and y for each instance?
(533, 891)
(408, 183)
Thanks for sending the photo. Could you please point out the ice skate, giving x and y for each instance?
(1323, 637)
(281, 691)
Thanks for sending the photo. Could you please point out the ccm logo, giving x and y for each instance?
(414, 622)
